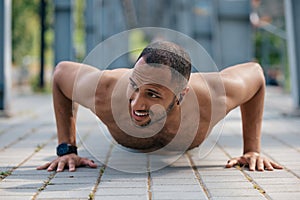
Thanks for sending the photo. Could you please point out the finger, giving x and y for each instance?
(88, 162)
(71, 164)
(275, 165)
(92, 164)
(52, 166)
(231, 163)
(260, 164)
(268, 165)
(61, 166)
(44, 166)
(252, 163)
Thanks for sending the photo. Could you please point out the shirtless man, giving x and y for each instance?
(158, 92)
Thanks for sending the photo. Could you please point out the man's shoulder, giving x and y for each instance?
(203, 80)
(116, 72)
(110, 76)
(207, 86)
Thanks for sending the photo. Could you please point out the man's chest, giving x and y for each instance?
(182, 136)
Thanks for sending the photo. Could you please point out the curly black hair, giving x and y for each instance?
(169, 54)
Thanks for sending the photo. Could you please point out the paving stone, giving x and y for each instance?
(229, 185)
(123, 184)
(16, 197)
(282, 188)
(124, 177)
(227, 192)
(20, 185)
(239, 198)
(179, 195)
(189, 175)
(67, 194)
(223, 179)
(270, 174)
(174, 181)
(123, 197)
(61, 198)
(284, 195)
(296, 171)
(17, 192)
(277, 181)
(176, 188)
(69, 187)
(170, 170)
(74, 180)
(211, 163)
(79, 173)
(121, 191)
(219, 172)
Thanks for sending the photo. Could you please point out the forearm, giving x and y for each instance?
(65, 114)
(252, 115)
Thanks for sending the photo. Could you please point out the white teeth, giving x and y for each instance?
(140, 114)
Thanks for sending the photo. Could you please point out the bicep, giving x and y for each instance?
(85, 86)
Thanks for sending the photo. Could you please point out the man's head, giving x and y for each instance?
(158, 81)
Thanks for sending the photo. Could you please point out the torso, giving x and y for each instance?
(201, 109)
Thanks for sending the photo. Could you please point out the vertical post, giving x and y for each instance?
(203, 24)
(63, 28)
(233, 26)
(292, 16)
(89, 25)
(42, 50)
(93, 23)
(107, 18)
(5, 56)
(185, 16)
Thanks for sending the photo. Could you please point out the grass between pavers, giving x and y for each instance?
(4, 174)
(43, 187)
(46, 183)
(92, 193)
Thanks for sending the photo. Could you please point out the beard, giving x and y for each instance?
(157, 114)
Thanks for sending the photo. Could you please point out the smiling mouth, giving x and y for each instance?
(140, 117)
(141, 114)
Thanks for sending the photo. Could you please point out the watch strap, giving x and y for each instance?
(64, 149)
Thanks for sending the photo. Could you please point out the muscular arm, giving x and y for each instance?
(72, 82)
(245, 87)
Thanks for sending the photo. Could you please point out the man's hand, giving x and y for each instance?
(71, 160)
(254, 160)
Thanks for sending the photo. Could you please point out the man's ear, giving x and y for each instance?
(182, 94)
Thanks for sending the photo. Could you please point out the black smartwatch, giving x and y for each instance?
(64, 149)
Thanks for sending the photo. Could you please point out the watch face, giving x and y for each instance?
(62, 149)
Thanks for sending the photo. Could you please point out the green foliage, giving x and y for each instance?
(274, 45)
(26, 28)
(79, 29)
(271, 52)
(24, 32)
(34, 83)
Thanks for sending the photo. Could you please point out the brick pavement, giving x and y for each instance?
(28, 139)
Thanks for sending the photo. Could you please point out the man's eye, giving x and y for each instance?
(152, 95)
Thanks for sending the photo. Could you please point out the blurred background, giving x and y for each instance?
(37, 34)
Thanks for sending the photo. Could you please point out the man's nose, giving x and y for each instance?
(138, 102)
